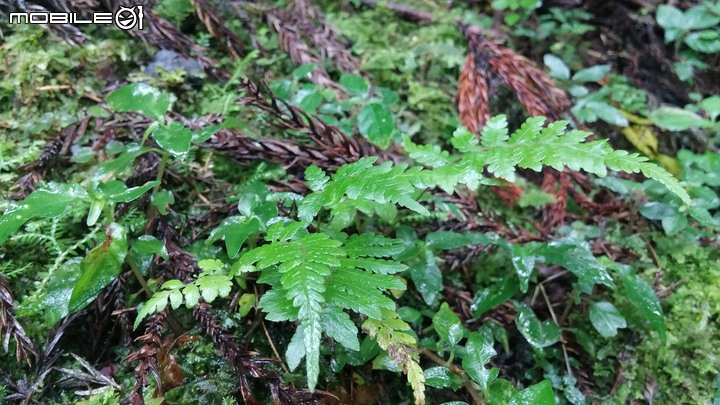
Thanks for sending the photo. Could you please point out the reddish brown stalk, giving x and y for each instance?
(286, 26)
(10, 328)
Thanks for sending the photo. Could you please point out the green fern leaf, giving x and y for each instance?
(495, 131)
(428, 155)
(359, 181)
(304, 265)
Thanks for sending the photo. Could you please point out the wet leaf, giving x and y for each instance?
(49, 201)
(448, 325)
(642, 296)
(606, 318)
(234, 231)
(59, 289)
(99, 268)
(140, 97)
(538, 334)
(538, 394)
(478, 352)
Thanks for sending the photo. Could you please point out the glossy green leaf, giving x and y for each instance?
(48, 201)
(538, 394)
(376, 123)
(427, 278)
(523, 260)
(174, 138)
(338, 325)
(140, 97)
(478, 352)
(119, 164)
(59, 289)
(117, 191)
(234, 231)
(448, 325)
(94, 213)
(606, 318)
(438, 377)
(538, 334)
(99, 268)
(501, 392)
(489, 298)
(642, 296)
(205, 133)
(446, 240)
(580, 261)
(147, 244)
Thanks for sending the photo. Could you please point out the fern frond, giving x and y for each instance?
(359, 181)
(532, 146)
(392, 336)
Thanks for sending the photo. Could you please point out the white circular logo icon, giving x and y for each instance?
(128, 17)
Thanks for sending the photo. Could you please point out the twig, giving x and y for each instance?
(467, 382)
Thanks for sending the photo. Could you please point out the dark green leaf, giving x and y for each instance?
(448, 325)
(149, 245)
(427, 278)
(438, 377)
(234, 231)
(376, 123)
(656, 210)
(302, 71)
(99, 268)
(538, 394)
(162, 199)
(489, 298)
(59, 289)
(122, 162)
(117, 191)
(538, 334)
(204, 134)
(446, 240)
(140, 97)
(580, 261)
(478, 352)
(606, 319)
(174, 138)
(642, 296)
(49, 201)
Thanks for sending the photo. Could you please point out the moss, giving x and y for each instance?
(683, 370)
